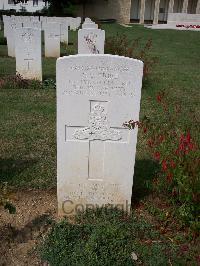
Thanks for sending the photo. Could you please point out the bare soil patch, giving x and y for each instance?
(21, 233)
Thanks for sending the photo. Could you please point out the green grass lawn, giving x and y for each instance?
(28, 149)
(28, 117)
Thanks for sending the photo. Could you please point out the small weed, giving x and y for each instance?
(49, 84)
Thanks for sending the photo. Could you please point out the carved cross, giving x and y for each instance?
(28, 60)
(98, 130)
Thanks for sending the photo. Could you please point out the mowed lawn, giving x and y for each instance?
(28, 116)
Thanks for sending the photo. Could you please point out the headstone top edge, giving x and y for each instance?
(65, 58)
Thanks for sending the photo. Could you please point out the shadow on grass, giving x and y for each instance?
(26, 233)
(10, 168)
(144, 173)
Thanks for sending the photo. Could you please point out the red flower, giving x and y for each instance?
(177, 152)
(174, 192)
(184, 248)
(182, 147)
(182, 138)
(159, 98)
(169, 177)
(145, 130)
(150, 143)
(161, 138)
(188, 137)
(172, 164)
(156, 156)
(185, 144)
(164, 165)
(191, 146)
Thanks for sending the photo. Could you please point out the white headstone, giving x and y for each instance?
(25, 19)
(91, 41)
(43, 20)
(52, 20)
(78, 22)
(6, 21)
(18, 19)
(64, 27)
(73, 24)
(88, 20)
(96, 94)
(10, 32)
(52, 39)
(89, 24)
(33, 24)
(28, 53)
(34, 18)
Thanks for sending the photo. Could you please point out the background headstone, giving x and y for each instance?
(33, 24)
(52, 39)
(89, 24)
(91, 41)
(64, 27)
(10, 32)
(28, 53)
(6, 21)
(96, 94)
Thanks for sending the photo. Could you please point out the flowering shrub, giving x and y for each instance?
(120, 45)
(188, 26)
(175, 147)
(18, 82)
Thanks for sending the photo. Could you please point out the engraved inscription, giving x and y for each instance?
(95, 192)
(100, 81)
(27, 37)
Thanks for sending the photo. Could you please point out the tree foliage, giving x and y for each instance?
(61, 7)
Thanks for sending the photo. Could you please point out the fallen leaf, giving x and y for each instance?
(134, 256)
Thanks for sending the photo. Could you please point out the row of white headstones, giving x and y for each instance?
(24, 40)
(96, 94)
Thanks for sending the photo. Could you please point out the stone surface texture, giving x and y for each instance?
(52, 37)
(91, 41)
(96, 94)
(28, 53)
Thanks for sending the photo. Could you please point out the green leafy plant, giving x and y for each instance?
(106, 237)
(120, 45)
(17, 82)
(173, 143)
(49, 84)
